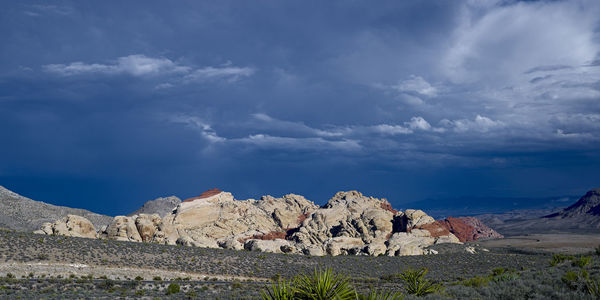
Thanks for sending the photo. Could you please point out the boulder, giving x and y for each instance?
(409, 243)
(344, 245)
(416, 218)
(272, 246)
(147, 226)
(71, 225)
(376, 249)
(122, 228)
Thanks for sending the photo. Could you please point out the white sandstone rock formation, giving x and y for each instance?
(71, 225)
(349, 224)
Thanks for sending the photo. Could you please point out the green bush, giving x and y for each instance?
(498, 271)
(476, 282)
(593, 287)
(173, 288)
(570, 279)
(582, 261)
(324, 284)
(560, 258)
(416, 284)
(282, 290)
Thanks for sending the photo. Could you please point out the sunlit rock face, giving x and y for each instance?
(349, 224)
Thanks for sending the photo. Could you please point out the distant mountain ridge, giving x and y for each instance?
(476, 205)
(23, 214)
(583, 216)
(587, 205)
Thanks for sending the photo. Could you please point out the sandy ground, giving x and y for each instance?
(20, 269)
(556, 242)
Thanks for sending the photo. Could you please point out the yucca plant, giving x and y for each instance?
(416, 284)
(280, 290)
(324, 284)
(381, 295)
(593, 287)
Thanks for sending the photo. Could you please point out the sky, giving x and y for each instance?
(105, 105)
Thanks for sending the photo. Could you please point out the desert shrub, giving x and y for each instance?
(416, 284)
(476, 281)
(173, 288)
(156, 278)
(381, 295)
(139, 278)
(582, 261)
(560, 258)
(498, 271)
(105, 284)
(324, 284)
(570, 279)
(593, 287)
(282, 290)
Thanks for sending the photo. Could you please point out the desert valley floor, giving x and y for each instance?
(48, 267)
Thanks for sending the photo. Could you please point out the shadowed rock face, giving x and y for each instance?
(589, 204)
(349, 224)
(161, 206)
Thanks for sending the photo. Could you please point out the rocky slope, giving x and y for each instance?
(23, 214)
(588, 205)
(350, 223)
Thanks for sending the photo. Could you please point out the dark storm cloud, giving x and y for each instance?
(131, 101)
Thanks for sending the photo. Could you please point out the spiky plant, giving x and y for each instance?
(416, 284)
(593, 287)
(280, 290)
(381, 295)
(324, 284)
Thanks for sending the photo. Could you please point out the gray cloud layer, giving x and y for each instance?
(387, 91)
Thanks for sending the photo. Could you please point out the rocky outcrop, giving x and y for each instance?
(161, 206)
(349, 224)
(466, 229)
(71, 225)
(122, 228)
(482, 231)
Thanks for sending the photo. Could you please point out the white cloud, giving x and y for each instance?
(205, 129)
(267, 141)
(135, 65)
(506, 40)
(391, 129)
(418, 123)
(416, 84)
(139, 65)
(269, 123)
(231, 73)
(479, 124)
